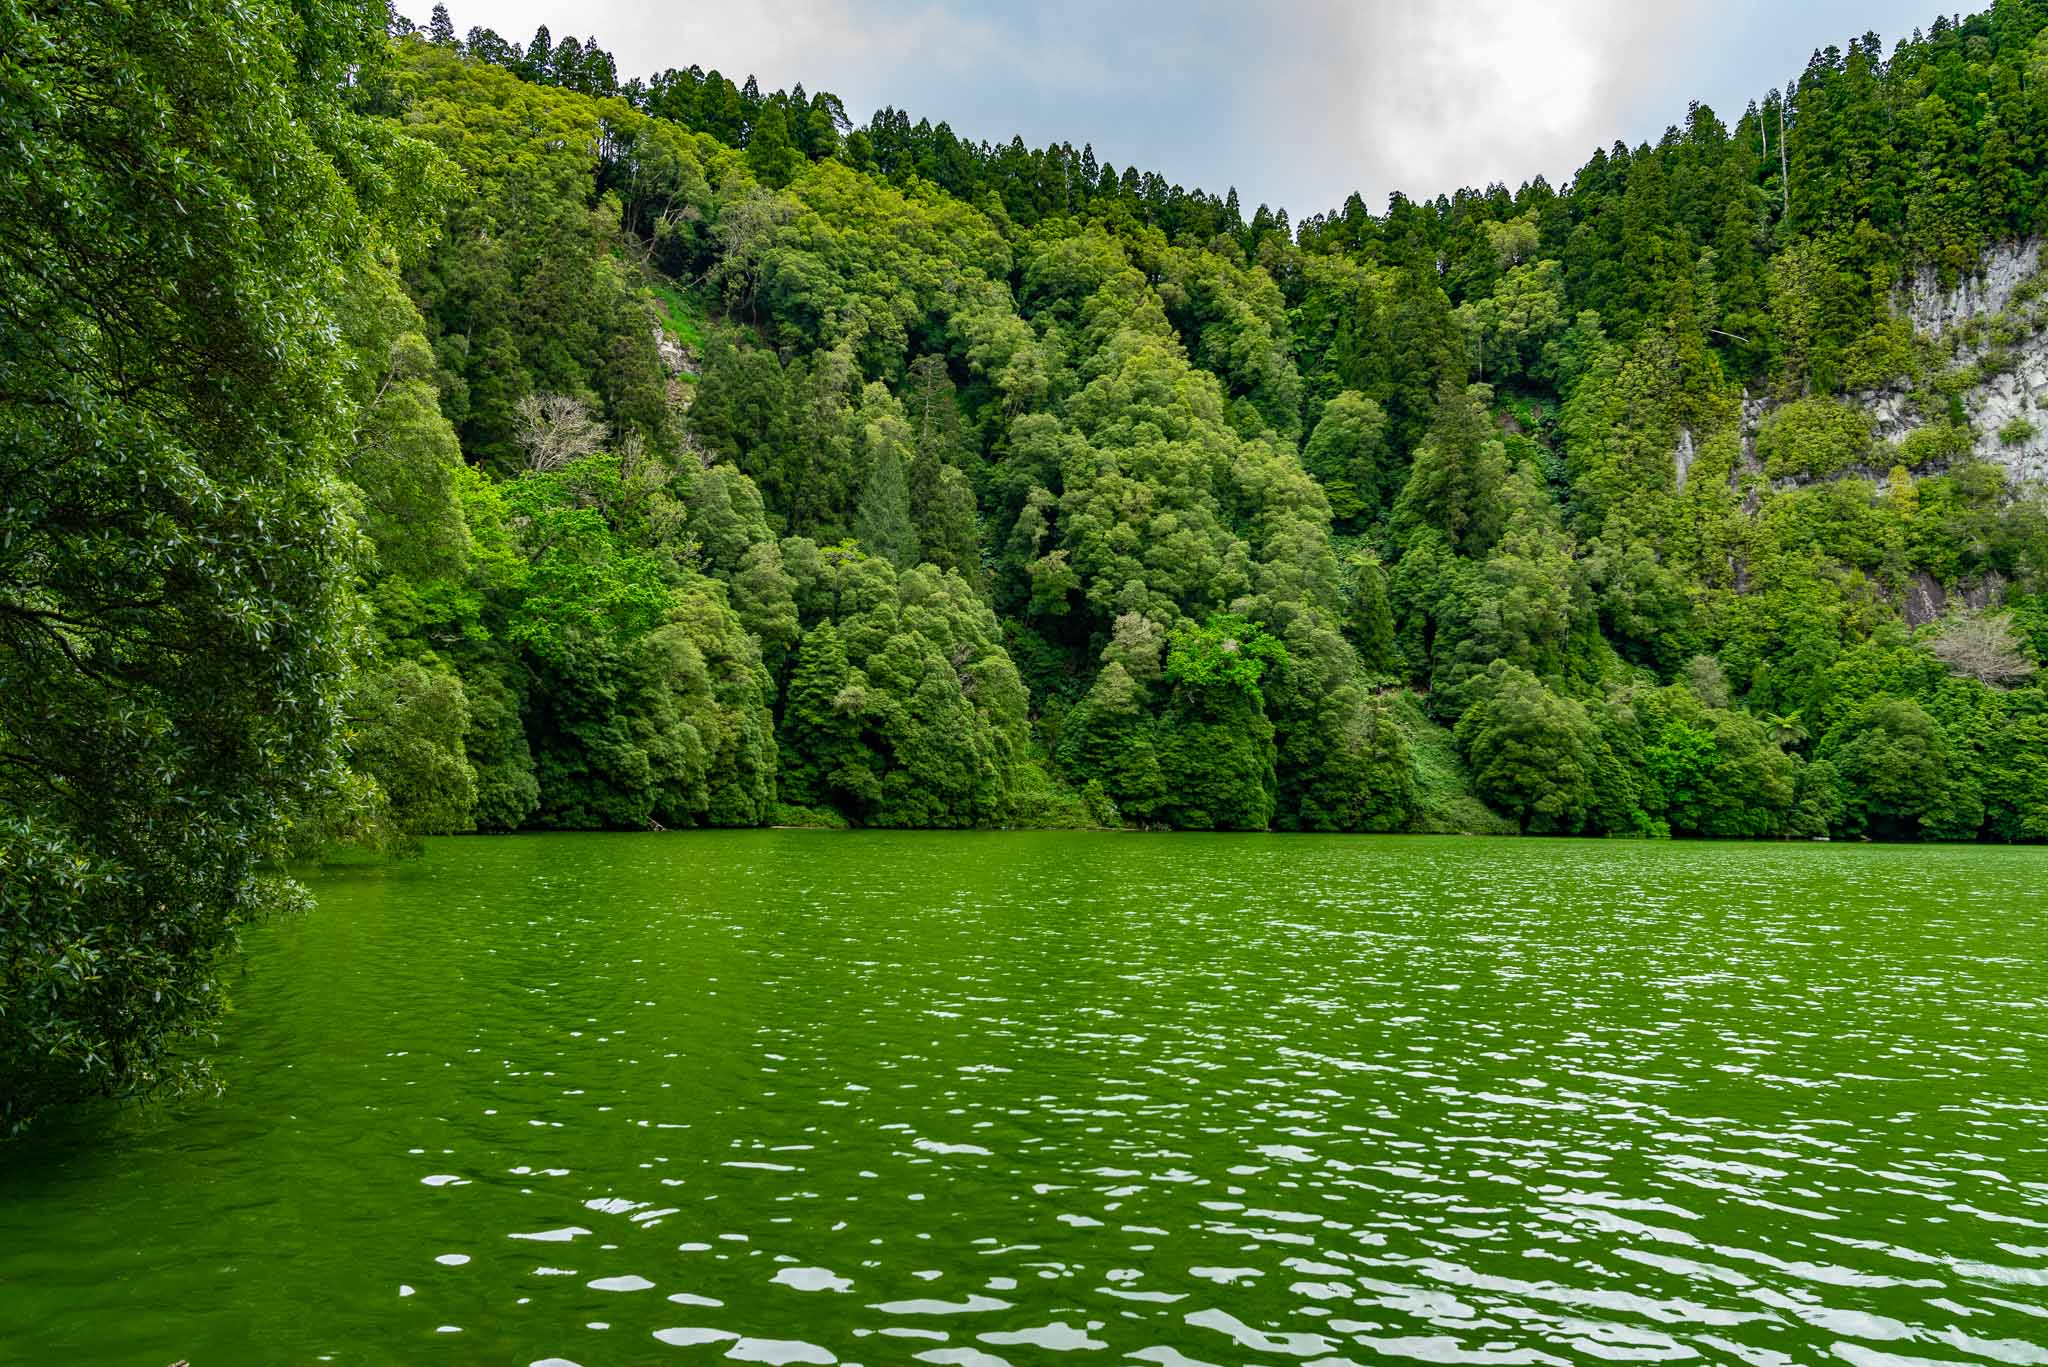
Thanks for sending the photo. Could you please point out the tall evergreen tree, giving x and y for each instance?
(883, 524)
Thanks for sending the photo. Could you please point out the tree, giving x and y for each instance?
(1784, 728)
(1455, 483)
(823, 761)
(2016, 773)
(410, 723)
(404, 459)
(500, 758)
(1226, 653)
(539, 52)
(1711, 771)
(1814, 437)
(1369, 618)
(555, 429)
(174, 555)
(1348, 455)
(1984, 648)
(1532, 752)
(883, 524)
(1893, 764)
(1108, 740)
(948, 529)
(1218, 752)
(1343, 761)
(769, 148)
(902, 709)
(440, 28)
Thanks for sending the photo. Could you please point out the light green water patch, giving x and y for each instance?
(796, 1096)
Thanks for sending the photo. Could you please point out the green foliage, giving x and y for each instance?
(1454, 486)
(769, 152)
(1112, 743)
(683, 314)
(1894, 769)
(1224, 653)
(1217, 761)
(176, 553)
(1368, 614)
(651, 705)
(1814, 438)
(1349, 457)
(1095, 422)
(822, 756)
(538, 302)
(902, 709)
(404, 459)
(1710, 771)
(1936, 444)
(1631, 416)
(1533, 753)
(1343, 762)
(500, 758)
(410, 725)
(1039, 800)
(1444, 801)
(883, 524)
(2015, 771)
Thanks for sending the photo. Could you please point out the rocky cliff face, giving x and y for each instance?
(1936, 311)
(2010, 413)
(2007, 410)
(1926, 599)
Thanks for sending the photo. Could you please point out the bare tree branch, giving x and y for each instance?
(1983, 648)
(555, 429)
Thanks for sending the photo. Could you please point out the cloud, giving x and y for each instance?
(1428, 98)
(1294, 102)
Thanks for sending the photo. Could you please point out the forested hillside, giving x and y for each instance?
(820, 473)
(406, 434)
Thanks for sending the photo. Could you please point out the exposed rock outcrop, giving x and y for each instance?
(675, 357)
(2007, 409)
(1926, 600)
(1935, 310)
(2010, 413)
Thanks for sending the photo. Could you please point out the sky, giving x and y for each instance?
(1296, 103)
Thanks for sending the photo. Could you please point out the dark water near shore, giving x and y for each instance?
(796, 1097)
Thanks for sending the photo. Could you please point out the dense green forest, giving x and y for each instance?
(407, 434)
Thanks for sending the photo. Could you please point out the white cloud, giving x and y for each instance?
(1428, 98)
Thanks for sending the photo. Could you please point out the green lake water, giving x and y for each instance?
(794, 1097)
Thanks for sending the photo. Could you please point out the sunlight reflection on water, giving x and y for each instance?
(983, 1099)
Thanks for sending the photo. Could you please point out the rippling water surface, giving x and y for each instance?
(984, 1099)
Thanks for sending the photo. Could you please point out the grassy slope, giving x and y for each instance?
(1446, 803)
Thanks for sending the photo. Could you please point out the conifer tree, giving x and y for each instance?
(534, 66)
(1369, 619)
(822, 760)
(883, 523)
(769, 149)
(1455, 483)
